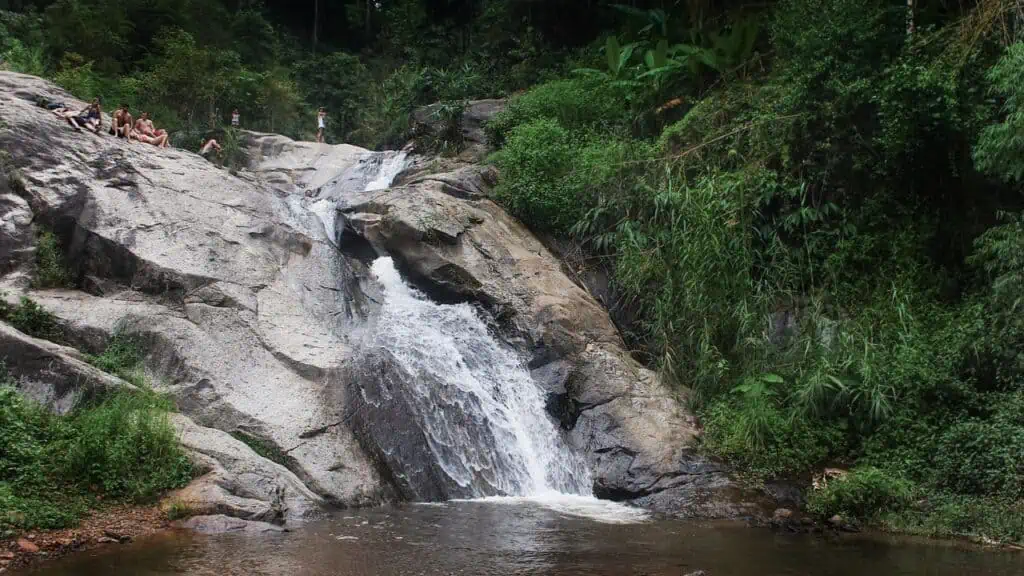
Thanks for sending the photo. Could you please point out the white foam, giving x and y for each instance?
(391, 166)
(603, 511)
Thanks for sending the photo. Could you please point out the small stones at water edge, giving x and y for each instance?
(27, 546)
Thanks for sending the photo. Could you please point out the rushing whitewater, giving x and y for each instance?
(520, 452)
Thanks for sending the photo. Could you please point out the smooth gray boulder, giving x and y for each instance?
(53, 375)
(221, 524)
(237, 482)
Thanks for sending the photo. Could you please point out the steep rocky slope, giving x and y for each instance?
(251, 294)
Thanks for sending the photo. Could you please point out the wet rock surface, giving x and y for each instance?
(221, 524)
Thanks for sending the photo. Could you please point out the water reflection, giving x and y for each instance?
(503, 539)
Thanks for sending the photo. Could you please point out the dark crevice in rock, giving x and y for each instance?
(355, 246)
(564, 409)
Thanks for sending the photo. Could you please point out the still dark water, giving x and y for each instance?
(505, 539)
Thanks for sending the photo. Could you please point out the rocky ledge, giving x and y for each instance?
(250, 313)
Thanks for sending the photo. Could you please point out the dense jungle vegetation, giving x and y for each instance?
(810, 207)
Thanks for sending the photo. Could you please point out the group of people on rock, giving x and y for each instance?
(122, 124)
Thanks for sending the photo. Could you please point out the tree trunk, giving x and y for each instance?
(369, 21)
(910, 17)
(316, 22)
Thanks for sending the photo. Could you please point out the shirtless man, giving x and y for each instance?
(121, 124)
(144, 132)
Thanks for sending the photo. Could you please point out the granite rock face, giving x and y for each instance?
(244, 305)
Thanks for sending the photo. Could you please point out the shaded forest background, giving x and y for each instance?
(810, 208)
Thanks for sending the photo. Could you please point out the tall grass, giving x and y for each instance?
(52, 468)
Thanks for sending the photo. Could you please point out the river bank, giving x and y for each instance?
(107, 526)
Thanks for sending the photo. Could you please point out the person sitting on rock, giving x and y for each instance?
(144, 132)
(121, 124)
(209, 145)
(90, 117)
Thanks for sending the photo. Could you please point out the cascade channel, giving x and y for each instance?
(476, 408)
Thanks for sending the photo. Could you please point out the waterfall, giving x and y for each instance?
(483, 419)
(457, 364)
(373, 171)
(391, 166)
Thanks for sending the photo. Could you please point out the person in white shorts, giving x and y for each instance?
(321, 123)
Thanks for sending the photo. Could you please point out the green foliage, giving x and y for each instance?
(757, 435)
(49, 464)
(386, 118)
(575, 104)
(122, 357)
(32, 319)
(981, 455)
(1000, 149)
(21, 44)
(551, 179)
(442, 133)
(864, 492)
(336, 82)
(945, 516)
(125, 445)
(189, 77)
(807, 247)
(51, 266)
(263, 447)
(179, 510)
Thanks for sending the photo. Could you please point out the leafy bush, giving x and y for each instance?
(945, 515)
(576, 104)
(125, 445)
(863, 493)
(51, 265)
(765, 442)
(551, 178)
(442, 134)
(1000, 151)
(78, 77)
(32, 319)
(335, 81)
(123, 358)
(386, 118)
(122, 446)
(983, 456)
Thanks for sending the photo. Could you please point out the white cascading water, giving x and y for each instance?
(451, 343)
(390, 167)
(527, 459)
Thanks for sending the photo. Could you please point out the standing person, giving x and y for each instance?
(236, 119)
(321, 124)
